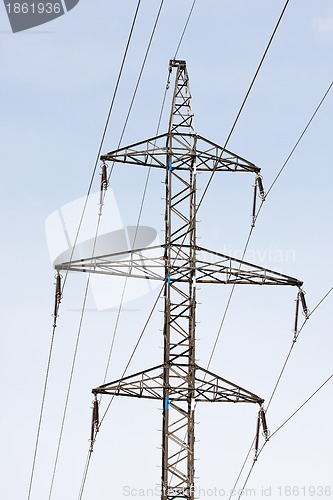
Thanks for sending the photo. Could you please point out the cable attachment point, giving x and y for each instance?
(265, 430)
(104, 180)
(94, 423)
(256, 442)
(57, 297)
(255, 189)
(104, 185)
(261, 422)
(257, 185)
(260, 186)
(296, 319)
(169, 77)
(306, 311)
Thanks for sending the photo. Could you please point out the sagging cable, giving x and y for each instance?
(57, 298)
(94, 423)
(306, 311)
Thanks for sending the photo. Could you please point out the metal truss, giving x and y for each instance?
(209, 156)
(214, 268)
(149, 384)
(179, 382)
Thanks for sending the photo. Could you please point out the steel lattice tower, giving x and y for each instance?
(179, 382)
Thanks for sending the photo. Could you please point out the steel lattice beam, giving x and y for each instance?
(211, 267)
(149, 384)
(209, 156)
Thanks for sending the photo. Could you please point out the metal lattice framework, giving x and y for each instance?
(179, 382)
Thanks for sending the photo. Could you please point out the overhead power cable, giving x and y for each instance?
(277, 430)
(56, 310)
(95, 240)
(139, 218)
(259, 210)
(297, 143)
(244, 252)
(184, 30)
(135, 348)
(76, 237)
(86, 468)
(301, 406)
(73, 362)
(225, 145)
(147, 177)
(270, 400)
(105, 129)
(157, 131)
(68, 390)
(244, 101)
(85, 473)
(293, 344)
(149, 169)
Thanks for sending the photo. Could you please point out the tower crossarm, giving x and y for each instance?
(209, 387)
(185, 148)
(214, 267)
(147, 263)
(211, 267)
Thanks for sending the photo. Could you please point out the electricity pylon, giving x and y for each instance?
(179, 382)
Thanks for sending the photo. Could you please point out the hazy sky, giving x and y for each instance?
(57, 83)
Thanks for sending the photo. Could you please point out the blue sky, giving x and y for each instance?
(57, 82)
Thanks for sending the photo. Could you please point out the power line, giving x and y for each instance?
(105, 129)
(87, 464)
(244, 101)
(319, 303)
(139, 217)
(141, 71)
(300, 137)
(214, 170)
(259, 210)
(185, 28)
(41, 411)
(278, 429)
(68, 389)
(272, 395)
(73, 362)
(201, 199)
(228, 303)
(135, 348)
(85, 473)
(147, 178)
(76, 237)
(157, 131)
(301, 406)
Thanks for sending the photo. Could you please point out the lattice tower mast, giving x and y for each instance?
(179, 382)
